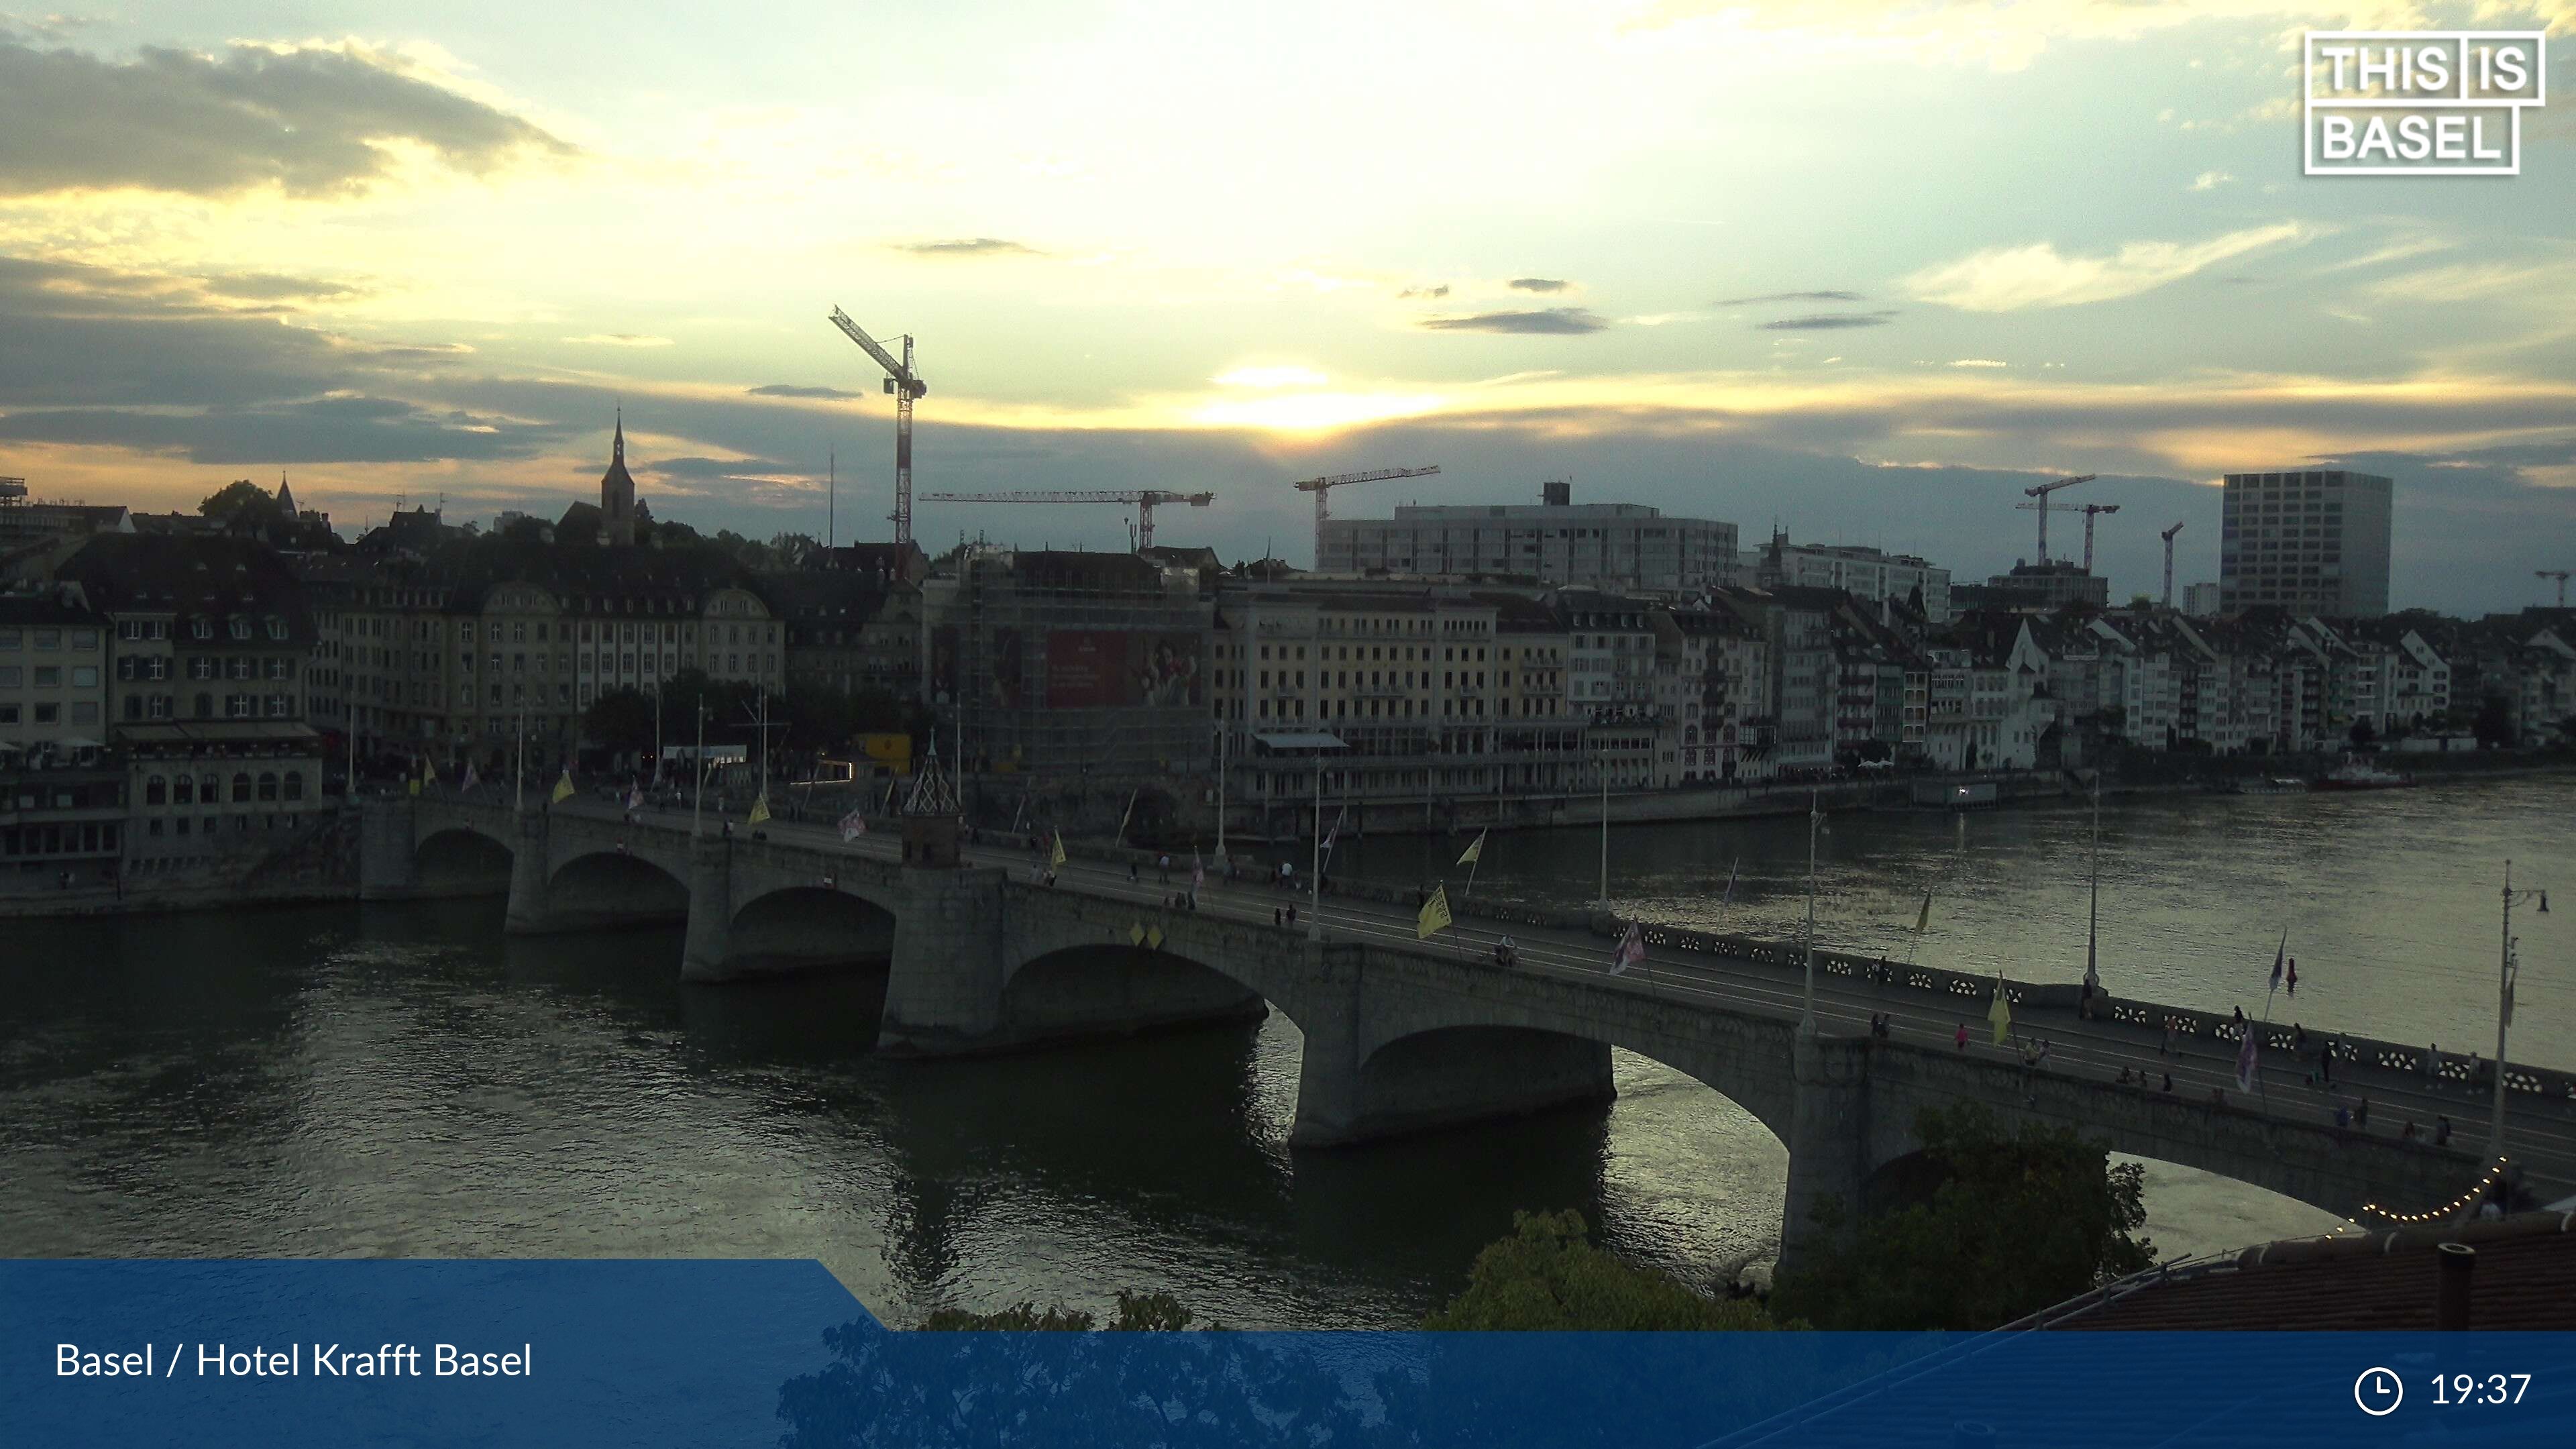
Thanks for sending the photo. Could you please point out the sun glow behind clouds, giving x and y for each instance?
(1271, 377)
(1307, 412)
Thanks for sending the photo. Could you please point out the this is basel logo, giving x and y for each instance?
(2420, 102)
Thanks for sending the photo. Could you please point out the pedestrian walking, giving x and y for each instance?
(1164, 863)
(2168, 1082)
(1131, 872)
(2361, 1114)
(1961, 1038)
(1276, 917)
(1292, 913)
(2293, 983)
(2441, 1131)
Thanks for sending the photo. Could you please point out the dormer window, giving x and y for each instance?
(276, 627)
(240, 627)
(201, 628)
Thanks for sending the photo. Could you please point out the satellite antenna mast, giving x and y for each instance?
(906, 385)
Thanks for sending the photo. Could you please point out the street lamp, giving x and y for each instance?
(2093, 913)
(2507, 968)
(1807, 1011)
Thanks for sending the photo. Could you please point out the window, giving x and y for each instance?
(10, 676)
(267, 785)
(201, 628)
(205, 706)
(49, 676)
(84, 676)
(84, 711)
(241, 788)
(295, 786)
(276, 627)
(49, 638)
(240, 627)
(8, 714)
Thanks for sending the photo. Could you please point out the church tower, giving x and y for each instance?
(617, 493)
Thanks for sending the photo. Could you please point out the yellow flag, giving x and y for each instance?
(563, 787)
(2001, 1013)
(1136, 933)
(1435, 914)
(1475, 852)
(1923, 922)
(1057, 859)
(760, 808)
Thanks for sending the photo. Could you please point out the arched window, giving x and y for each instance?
(295, 786)
(267, 785)
(183, 790)
(156, 791)
(241, 788)
(210, 789)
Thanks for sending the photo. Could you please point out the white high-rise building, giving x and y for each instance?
(2310, 542)
(1864, 573)
(2200, 601)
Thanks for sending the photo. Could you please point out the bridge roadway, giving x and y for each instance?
(2084, 1056)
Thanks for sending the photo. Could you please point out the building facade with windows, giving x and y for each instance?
(1611, 546)
(212, 644)
(2306, 542)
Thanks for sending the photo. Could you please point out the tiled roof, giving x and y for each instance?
(2525, 1279)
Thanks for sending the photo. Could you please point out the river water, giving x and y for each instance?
(360, 1081)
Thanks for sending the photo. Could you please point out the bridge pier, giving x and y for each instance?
(528, 875)
(710, 939)
(1828, 1136)
(944, 989)
(388, 864)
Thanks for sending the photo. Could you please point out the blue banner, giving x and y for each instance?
(573, 1354)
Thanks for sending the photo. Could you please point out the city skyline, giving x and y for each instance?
(1865, 275)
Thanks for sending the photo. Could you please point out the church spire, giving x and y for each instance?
(620, 444)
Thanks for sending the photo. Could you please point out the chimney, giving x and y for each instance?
(1556, 494)
(2451, 1300)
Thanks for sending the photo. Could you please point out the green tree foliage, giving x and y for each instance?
(2493, 723)
(620, 719)
(240, 502)
(2011, 1223)
(794, 550)
(1137, 1313)
(1547, 1276)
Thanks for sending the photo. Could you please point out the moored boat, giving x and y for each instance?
(2362, 775)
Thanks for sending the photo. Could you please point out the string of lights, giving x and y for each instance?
(2452, 1208)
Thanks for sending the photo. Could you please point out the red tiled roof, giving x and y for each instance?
(2525, 1278)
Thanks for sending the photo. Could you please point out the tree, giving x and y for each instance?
(2362, 734)
(1999, 1225)
(240, 503)
(1546, 1276)
(1137, 1313)
(2493, 724)
(620, 720)
(794, 550)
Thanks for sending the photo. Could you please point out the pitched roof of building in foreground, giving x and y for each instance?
(2524, 1278)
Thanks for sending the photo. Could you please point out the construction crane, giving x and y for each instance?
(2090, 512)
(906, 385)
(1322, 486)
(2041, 491)
(2168, 537)
(1144, 500)
(2561, 576)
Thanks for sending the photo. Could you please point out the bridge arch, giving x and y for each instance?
(1094, 987)
(461, 860)
(609, 888)
(809, 925)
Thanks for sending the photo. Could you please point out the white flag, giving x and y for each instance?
(1632, 949)
(853, 825)
(2245, 1057)
(470, 781)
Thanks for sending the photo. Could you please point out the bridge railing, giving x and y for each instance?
(2453, 1069)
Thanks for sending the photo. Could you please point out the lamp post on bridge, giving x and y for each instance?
(2507, 968)
(1807, 1008)
(2093, 913)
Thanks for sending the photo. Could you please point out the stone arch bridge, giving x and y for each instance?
(1398, 1038)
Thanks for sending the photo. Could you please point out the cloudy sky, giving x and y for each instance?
(1859, 268)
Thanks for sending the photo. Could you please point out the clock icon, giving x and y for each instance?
(2378, 1391)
